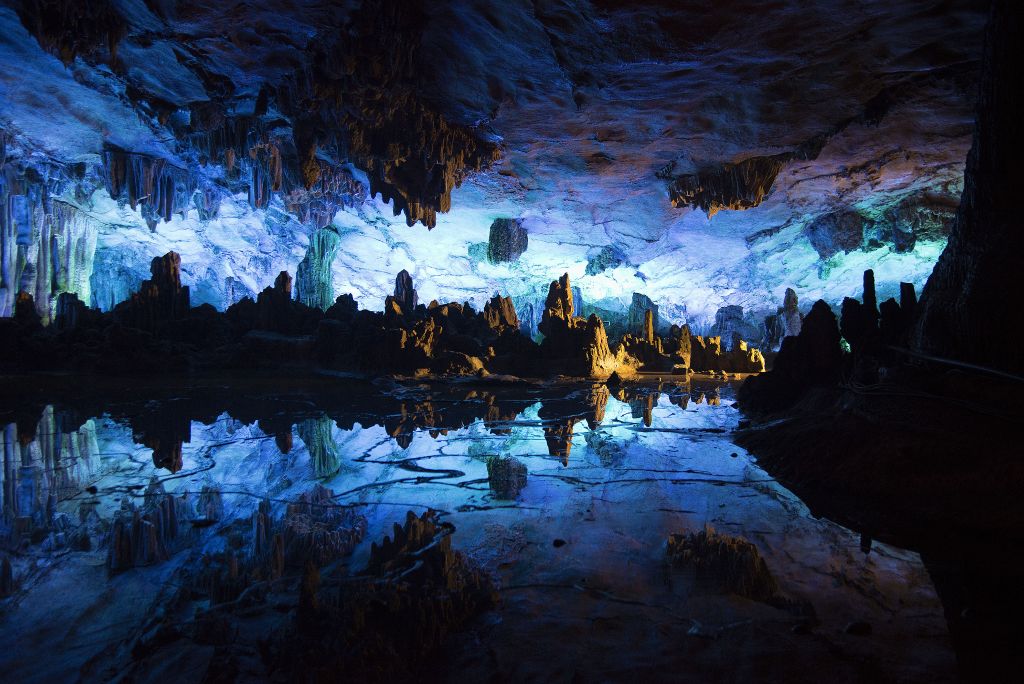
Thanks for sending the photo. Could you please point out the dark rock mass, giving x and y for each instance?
(978, 271)
(508, 240)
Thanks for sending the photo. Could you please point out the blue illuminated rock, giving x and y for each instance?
(314, 277)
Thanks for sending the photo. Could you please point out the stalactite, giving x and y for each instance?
(366, 99)
(68, 28)
(731, 186)
(153, 186)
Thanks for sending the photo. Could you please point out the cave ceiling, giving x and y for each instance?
(704, 153)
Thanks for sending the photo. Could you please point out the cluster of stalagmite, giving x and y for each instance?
(730, 564)
(816, 358)
(156, 330)
(378, 623)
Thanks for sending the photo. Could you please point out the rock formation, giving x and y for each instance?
(814, 358)
(148, 534)
(155, 331)
(792, 319)
(500, 314)
(580, 344)
(638, 308)
(977, 272)
(508, 240)
(160, 300)
(314, 280)
(730, 186)
(506, 476)
(405, 296)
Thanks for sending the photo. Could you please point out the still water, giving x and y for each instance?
(566, 495)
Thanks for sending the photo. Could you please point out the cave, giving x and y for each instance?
(509, 340)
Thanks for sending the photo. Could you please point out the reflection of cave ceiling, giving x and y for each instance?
(703, 153)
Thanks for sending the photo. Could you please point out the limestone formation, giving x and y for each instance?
(791, 316)
(314, 285)
(729, 322)
(148, 534)
(635, 317)
(274, 304)
(814, 358)
(405, 294)
(841, 231)
(730, 186)
(508, 240)
(581, 345)
(607, 257)
(500, 314)
(506, 476)
(160, 300)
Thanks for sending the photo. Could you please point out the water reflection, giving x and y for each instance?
(600, 475)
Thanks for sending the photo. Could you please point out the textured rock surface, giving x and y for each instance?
(314, 276)
(250, 140)
(507, 241)
(978, 271)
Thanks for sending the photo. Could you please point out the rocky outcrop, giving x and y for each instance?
(578, 345)
(814, 358)
(508, 240)
(977, 273)
(160, 300)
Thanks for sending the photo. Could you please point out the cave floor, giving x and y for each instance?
(577, 546)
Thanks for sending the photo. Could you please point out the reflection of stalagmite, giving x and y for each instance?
(318, 436)
(598, 402)
(559, 439)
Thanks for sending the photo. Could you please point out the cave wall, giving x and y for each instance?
(968, 307)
